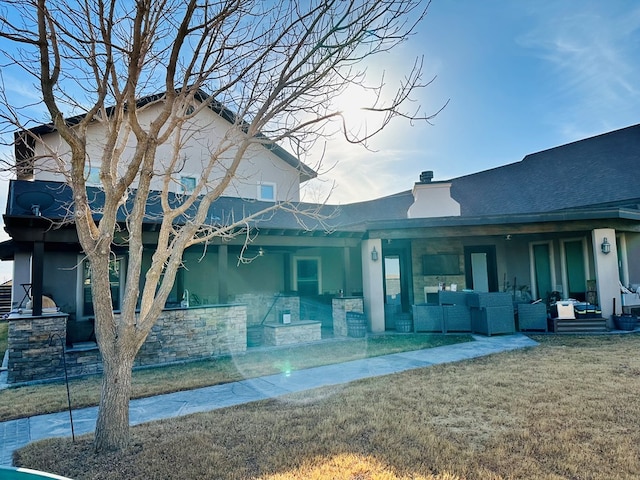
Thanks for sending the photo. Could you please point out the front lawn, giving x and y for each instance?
(51, 397)
(565, 409)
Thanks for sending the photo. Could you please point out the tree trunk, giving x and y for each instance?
(112, 427)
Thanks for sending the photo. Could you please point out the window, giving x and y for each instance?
(267, 191)
(116, 280)
(187, 184)
(92, 175)
(307, 276)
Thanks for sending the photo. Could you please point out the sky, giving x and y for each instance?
(519, 77)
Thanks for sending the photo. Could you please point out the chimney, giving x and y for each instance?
(426, 176)
(432, 199)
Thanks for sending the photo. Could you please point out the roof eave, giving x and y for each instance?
(524, 218)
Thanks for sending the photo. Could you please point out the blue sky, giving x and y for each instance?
(521, 77)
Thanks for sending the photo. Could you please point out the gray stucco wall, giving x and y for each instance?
(60, 279)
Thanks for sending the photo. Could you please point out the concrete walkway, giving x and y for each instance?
(15, 434)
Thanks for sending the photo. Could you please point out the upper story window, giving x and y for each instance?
(187, 184)
(267, 191)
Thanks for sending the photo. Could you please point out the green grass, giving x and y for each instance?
(51, 397)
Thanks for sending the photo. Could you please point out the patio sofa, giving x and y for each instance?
(466, 311)
(450, 314)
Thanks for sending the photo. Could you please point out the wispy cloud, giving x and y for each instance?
(591, 55)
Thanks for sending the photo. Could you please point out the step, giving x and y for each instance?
(579, 325)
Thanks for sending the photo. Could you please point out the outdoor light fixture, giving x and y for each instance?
(374, 254)
(606, 246)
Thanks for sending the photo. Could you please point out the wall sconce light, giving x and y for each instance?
(606, 246)
(374, 254)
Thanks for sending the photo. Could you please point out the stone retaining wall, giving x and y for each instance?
(35, 346)
(178, 335)
(195, 333)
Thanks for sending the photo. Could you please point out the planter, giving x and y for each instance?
(625, 322)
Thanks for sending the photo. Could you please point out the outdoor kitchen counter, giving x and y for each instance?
(302, 331)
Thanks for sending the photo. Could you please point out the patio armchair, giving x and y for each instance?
(532, 316)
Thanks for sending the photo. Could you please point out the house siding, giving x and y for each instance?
(205, 133)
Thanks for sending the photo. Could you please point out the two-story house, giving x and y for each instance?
(563, 221)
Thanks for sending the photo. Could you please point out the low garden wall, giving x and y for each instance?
(36, 344)
(267, 307)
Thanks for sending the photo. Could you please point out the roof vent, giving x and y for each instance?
(426, 177)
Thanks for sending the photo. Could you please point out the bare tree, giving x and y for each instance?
(277, 66)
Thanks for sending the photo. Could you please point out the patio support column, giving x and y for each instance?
(223, 267)
(37, 270)
(606, 267)
(346, 283)
(21, 275)
(372, 284)
(286, 271)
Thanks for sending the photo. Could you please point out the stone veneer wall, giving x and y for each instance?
(258, 304)
(178, 335)
(195, 333)
(35, 346)
(430, 247)
(292, 333)
(340, 307)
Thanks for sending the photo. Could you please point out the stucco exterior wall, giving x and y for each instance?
(263, 275)
(433, 200)
(606, 271)
(372, 285)
(205, 133)
(513, 264)
(60, 280)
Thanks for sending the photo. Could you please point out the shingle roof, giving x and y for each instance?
(591, 175)
(604, 169)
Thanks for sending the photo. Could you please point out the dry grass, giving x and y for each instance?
(4, 331)
(51, 397)
(566, 409)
